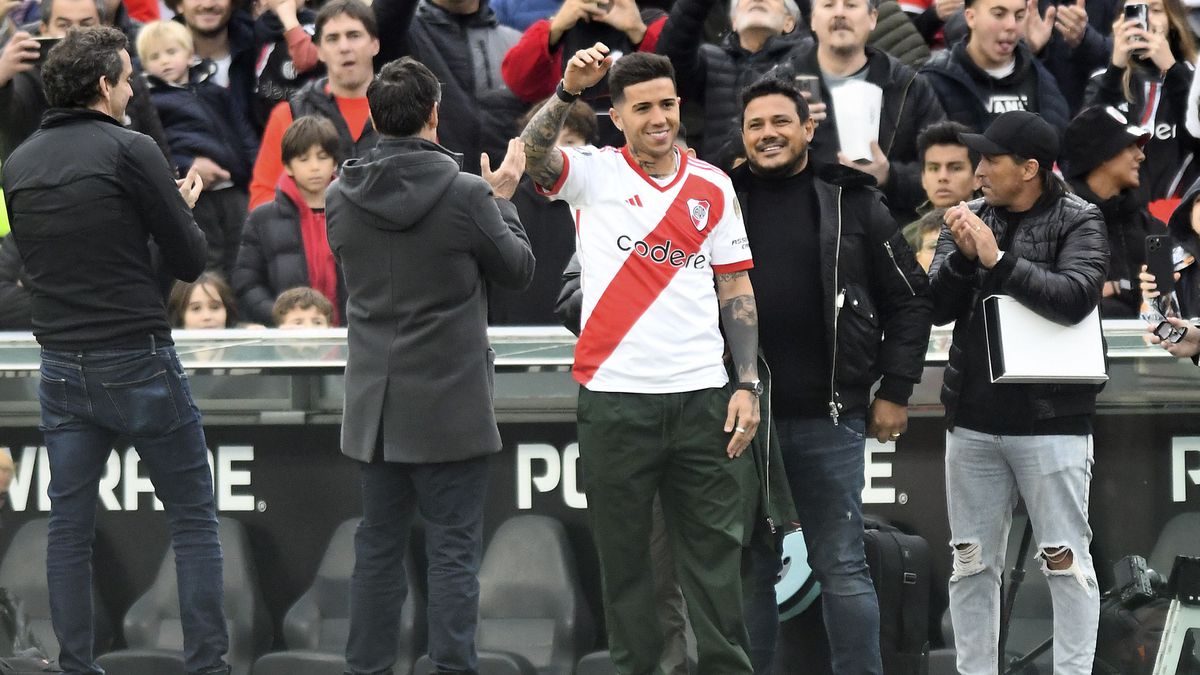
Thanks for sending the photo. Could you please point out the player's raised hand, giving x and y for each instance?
(586, 68)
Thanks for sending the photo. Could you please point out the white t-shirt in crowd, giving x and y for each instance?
(648, 251)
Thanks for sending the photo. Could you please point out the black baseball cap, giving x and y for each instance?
(1095, 136)
(1020, 133)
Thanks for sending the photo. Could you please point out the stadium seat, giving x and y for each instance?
(23, 573)
(316, 627)
(533, 618)
(152, 626)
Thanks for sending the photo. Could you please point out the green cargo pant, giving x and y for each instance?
(631, 446)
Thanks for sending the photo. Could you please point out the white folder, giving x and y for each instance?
(1024, 347)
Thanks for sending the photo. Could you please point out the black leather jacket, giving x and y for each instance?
(1055, 265)
(876, 296)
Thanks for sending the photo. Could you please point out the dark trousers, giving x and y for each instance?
(824, 464)
(222, 214)
(449, 497)
(631, 446)
(89, 400)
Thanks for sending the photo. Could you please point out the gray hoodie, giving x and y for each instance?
(418, 240)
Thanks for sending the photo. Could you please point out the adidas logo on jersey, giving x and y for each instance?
(635, 200)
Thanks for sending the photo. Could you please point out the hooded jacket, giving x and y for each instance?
(1055, 265)
(957, 81)
(876, 297)
(909, 105)
(713, 75)
(200, 120)
(418, 240)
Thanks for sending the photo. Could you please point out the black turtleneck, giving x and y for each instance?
(784, 225)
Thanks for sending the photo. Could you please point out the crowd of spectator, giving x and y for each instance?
(266, 99)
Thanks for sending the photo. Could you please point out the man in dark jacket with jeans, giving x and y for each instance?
(839, 256)
(84, 224)
(418, 240)
(1028, 238)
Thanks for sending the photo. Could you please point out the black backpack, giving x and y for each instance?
(901, 572)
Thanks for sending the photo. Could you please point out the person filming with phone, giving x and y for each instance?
(1170, 282)
(22, 94)
(1147, 79)
(88, 201)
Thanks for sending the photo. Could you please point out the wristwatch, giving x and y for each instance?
(753, 386)
(565, 96)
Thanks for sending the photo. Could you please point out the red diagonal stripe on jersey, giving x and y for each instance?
(640, 281)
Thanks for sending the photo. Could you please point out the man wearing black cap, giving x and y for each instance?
(1030, 239)
(1103, 157)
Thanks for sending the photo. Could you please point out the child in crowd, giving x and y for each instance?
(287, 57)
(302, 307)
(204, 130)
(284, 244)
(206, 302)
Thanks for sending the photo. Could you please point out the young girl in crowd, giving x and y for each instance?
(206, 302)
(1148, 78)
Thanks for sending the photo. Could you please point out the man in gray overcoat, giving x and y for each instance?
(418, 241)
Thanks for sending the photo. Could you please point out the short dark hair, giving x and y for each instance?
(305, 132)
(944, 133)
(581, 119)
(402, 97)
(770, 86)
(636, 68)
(46, 8)
(181, 294)
(355, 9)
(74, 67)
(301, 297)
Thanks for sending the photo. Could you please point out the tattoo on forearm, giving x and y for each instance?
(739, 317)
(543, 162)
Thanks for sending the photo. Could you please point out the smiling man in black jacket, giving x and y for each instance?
(841, 300)
(87, 198)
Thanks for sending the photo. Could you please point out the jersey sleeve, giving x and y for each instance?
(583, 169)
(731, 248)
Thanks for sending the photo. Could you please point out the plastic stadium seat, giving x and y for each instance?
(533, 618)
(23, 573)
(1178, 537)
(316, 627)
(152, 626)
(596, 663)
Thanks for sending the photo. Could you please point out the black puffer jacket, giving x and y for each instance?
(714, 75)
(876, 297)
(965, 102)
(1055, 266)
(909, 105)
(272, 260)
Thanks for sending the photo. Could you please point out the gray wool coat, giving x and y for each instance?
(418, 241)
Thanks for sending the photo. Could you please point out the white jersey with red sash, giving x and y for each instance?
(648, 250)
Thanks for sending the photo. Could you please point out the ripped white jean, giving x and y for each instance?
(984, 474)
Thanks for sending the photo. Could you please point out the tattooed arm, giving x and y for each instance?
(739, 318)
(543, 162)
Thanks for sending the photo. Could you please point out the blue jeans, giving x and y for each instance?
(90, 400)
(984, 474)
(824, 465)
(449, 497)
